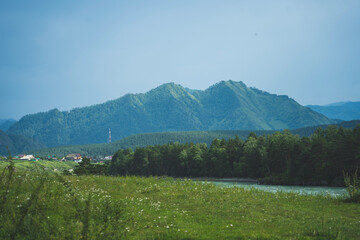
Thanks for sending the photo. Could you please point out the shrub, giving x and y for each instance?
(352, 186)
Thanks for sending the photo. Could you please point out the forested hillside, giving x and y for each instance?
(224, 106)
(146, 139)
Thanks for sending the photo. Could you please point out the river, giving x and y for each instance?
(333, 191)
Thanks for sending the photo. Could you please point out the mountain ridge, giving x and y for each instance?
(169, 107)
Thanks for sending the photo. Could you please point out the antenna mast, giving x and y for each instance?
(109, 135)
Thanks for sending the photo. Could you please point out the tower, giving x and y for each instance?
(109, 135)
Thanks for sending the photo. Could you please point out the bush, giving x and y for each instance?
(87, 168)
(352, 186)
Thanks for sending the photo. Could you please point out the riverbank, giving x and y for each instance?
(268, 182)
(209, 179)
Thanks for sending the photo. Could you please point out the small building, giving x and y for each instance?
(74, 156)
(27, 157)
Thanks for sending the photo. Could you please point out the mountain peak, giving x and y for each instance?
(170, 90)
(167, 87)
(229, 84)
(228, 88)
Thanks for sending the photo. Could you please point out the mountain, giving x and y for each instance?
(342, 110)
(170, 107)
(5, 124)
(147, 139)
(17, 144)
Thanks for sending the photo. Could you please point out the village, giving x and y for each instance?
(76, 157)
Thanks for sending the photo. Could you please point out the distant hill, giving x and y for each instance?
(17, 144)
(226, 105)
(343, 110)
(2, 120)
(5, 124)
(146, 139)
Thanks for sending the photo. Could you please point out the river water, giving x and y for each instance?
(333, 191)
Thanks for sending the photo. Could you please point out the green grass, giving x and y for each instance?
(204, 211)
(40, 205)
(41, 164)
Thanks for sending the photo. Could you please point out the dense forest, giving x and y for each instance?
(279, 158)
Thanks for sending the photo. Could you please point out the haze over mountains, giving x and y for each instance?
(224, 106)
(5, 124)
(17, 143)
(342, 110)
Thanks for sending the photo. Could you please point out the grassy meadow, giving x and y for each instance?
(44, 205)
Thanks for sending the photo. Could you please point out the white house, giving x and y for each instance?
(27, 157)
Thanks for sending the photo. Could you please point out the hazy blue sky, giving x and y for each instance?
(66, 54)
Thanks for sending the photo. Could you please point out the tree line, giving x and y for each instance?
(279, 158)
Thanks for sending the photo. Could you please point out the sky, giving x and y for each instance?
(67, 54)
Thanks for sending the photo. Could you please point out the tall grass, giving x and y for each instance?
(40, 205)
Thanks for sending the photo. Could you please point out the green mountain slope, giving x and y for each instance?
(147, 139)
(232, 105)
(343, 110)
(169, 107)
